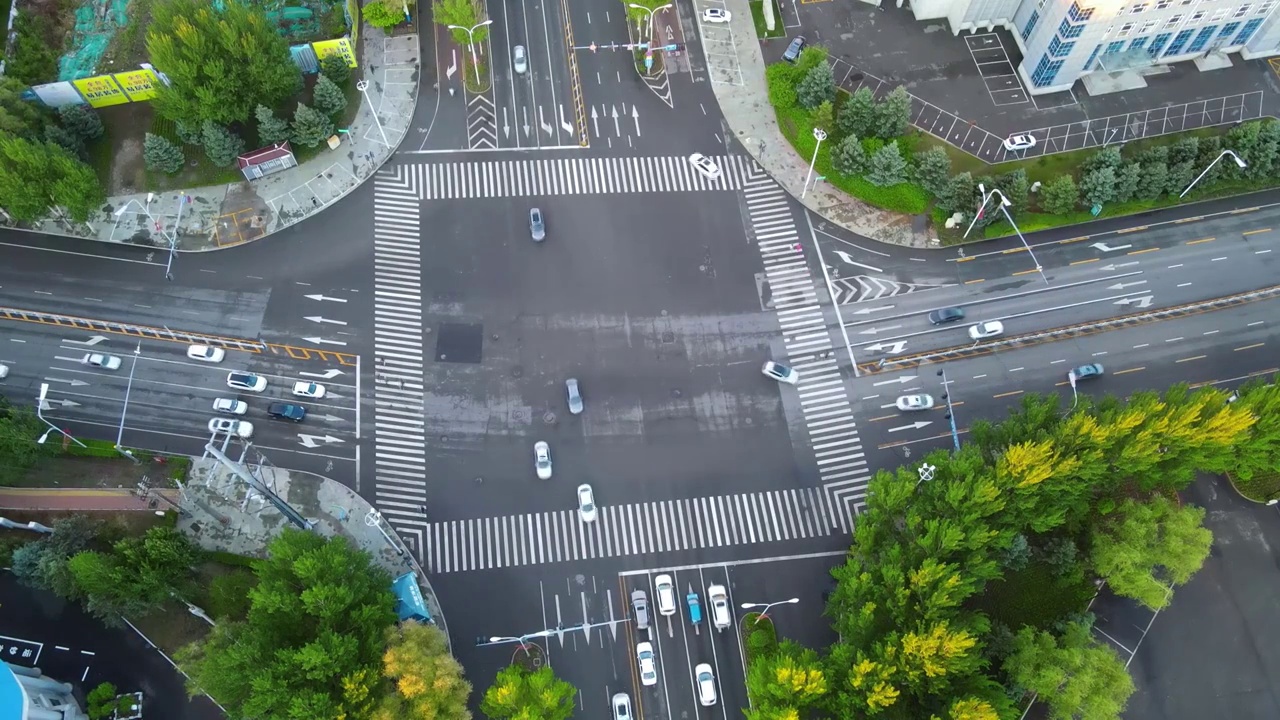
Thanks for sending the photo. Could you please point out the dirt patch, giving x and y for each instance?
(91, 472)
(127, 126)
(172, 627)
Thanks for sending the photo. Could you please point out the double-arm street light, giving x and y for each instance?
(523, 639)
(1004, 208)
(951, 413)
(125, 410)
(475, 61)
(764, 613)
(1239, 163)
(650, 12)
(172, 237)
(44, 391)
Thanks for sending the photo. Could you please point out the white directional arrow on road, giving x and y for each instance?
(322, 341)
(72, 383)
(326, 375)
(1117, 266)
(1144, 301)
(849, 259)
(49, 403)
(328, 418)
(313, 441)
(595, 121)
(525, 110)
(616, 129)
(868, 311)
(1123, 285)
(322, 319)
(1107, 248)
(635, 115)
(873, 331)
(546, 126)
(325, 297)
(91, 341)
(913, 426)
(506, 128)
(900, 380)
(892, 348)
(565, 123)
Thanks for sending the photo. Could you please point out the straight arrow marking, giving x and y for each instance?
(322, 319)
(325, 297)
(322, 341)
(913, 426)
(326, 375)
(91, 341)
(901, 380)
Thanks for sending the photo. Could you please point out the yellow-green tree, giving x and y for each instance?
(785, 682)
(1148, 547)
(517, 694)
(1073, 675)
(427, 682)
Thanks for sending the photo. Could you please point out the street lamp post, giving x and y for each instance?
(1239, 163)
(171, 237)
(44, 391)
(951, 414)
(1004, 208)
(650, 13)
(766, 606)
(818, 134)
(523, 639)
(125, 410)
(475, 61)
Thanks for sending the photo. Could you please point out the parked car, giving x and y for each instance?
(206, 353)
(98, 360)
(716, 15)
(908, 403)
(246, 381)
(586, 503)
(537, 229)
(721, 616)
(705, 165)
(622, 707)
(792, 53)
(542, 460)
(640, 606)
(946, 315)
(4, 371)
(287, 411)
(988, 329)
(239, 428)
(1086, 372)
(780, 372)
(519, 60)
(706, 682)
(648, 666)
(315, 391)
(1021, 141)
(666, 594)
(230, 406)
(575, 396)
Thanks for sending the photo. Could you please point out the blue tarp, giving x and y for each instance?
(13, 701)
(409, 602)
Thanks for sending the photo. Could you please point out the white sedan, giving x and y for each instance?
(665, 591)
(988, 329)
(648, 666)
(1021, 141)
(206, 353)
(780, 372)
(716, 15)
(586, 503)
(705, 165)
(315, 391)
(231, 427)
(706, 684)
(908, 403)
(106, 362)
(542, 459)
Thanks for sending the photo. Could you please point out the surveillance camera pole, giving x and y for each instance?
(951, 413)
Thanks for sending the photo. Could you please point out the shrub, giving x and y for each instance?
(335, 67)
(220, 144)
(887, 167)
(781, 78)
(822, 117)
(328, 97)
(817, 87)
(271, 129)
(849, 158)
(1060, 195)
(162, 155)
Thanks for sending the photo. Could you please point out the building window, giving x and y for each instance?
(1219, 14)
(1265, 7)
(1031, 24)
(1196, 17)
(1173, 22)
(1242, 11)
(1046, 72)
(1138, 43)
(1162, 4)
(1137, 8)
(1115, 47)
(1249, 29)
(1202, 39)
(1088, 65)
(1079, 14)
(1179, 42)
(1058, 48)
(1158, 44)
(1067, 30)
(1125, 30)
(1147, 27)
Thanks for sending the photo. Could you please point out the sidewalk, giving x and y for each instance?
(221, 216)
(747, 111)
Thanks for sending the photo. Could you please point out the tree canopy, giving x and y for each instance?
(426, 681)
(518, 694)
(37, 176)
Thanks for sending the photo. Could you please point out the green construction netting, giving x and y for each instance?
(95, 24)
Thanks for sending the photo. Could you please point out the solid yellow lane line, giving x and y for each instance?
(1202, 240)
(1008, 394)
(1197, 357)
(1255, 232)
(1139, 252)
(1081, 262)
(1129, 370)
(1249, 347)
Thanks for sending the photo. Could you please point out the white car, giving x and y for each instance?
(716, 15)
(542, 460)
(648, 666)
(1021, 141)
(246, 381)
(232, 427)
(231, 406)
(106, 362)
(622, 707)
(311, 390)
(665, 592)
(720, 615)
(780, 372)
(4, 371)
(706, 683)
(206, 353)
(908, 403)
(988, 329)
(519, 61)
(586, 503)
(704, 165)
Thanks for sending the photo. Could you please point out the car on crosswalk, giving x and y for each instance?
(542, 460)
(665, 591)
(780, 372)
(648, 664)
(705, 165)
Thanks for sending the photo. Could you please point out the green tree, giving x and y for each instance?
(849, 157)
(1075, 676)
(43, 563)
(36, 176)
(1258, 453)
(137, 578)
(60, 136)
(1106, 158)
(517, 694)
(1127, 181)
(1017, 187)
(463, 14)
(222, 62)
(1155, 178)
(312, 642)
(1180, 177)
(229, 595)
(822, 117)
(817, 87)
(162, 155)
(1149, 546)
(1060, 196)
(382, 14)
(81, 121)
(103, 702)
(427, 681)
(893, 114)
(310, 126)
(887, 166)
(960, 195)
(335, 67)
(33, 59)
(1265, 156)
(328, 97)
(858, 114)
(933, 170)
(17, 116)
(221, 145)
(271, 129)
(1186, 149)
(790, 678)
(1098, 187)
(189, 134)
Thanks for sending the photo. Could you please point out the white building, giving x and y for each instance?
(1111, 44)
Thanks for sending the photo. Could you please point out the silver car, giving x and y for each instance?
(542, 459)
(575, 397)
(640, 606)
(106, 362)
(622, 707)
(537, 228)
(519, 61)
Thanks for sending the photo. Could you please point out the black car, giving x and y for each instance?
(946, 315)
(792, 52)
(287, 411)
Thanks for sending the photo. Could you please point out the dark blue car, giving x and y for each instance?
(287, 411)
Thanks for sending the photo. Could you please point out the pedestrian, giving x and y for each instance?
(424, 510)
(798, 247)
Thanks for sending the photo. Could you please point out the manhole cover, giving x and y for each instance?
(517, 371)
(668, 337)
(549, 418)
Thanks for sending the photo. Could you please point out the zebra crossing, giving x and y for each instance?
(824, 401)
(398, 435)
(619, 530)
(540, 177)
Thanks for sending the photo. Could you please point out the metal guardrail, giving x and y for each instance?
(579, 108)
